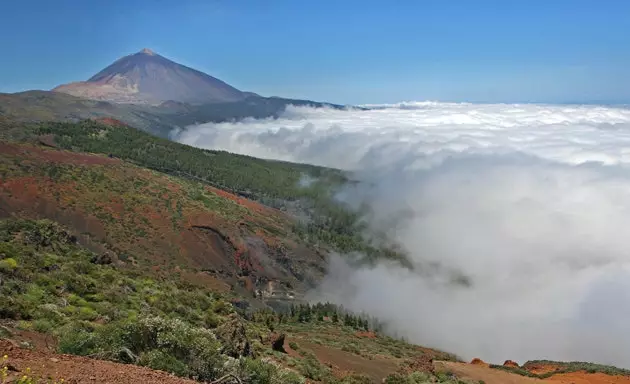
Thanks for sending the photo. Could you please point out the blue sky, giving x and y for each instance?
(339, 51)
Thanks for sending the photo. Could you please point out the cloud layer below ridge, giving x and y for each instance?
(531, 202)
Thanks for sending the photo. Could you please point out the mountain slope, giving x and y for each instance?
(146, 216)
(38, 106)
(148, 78)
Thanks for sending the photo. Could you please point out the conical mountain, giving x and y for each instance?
(148, 78)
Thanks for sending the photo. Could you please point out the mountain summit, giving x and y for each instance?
(148, 78)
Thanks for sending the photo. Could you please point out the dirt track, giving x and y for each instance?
(477, 372)
(376, 368)
(47, 365)
(78, 370)
(587, 378)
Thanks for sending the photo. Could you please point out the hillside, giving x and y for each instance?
(92, 244)
(123, 247)
(273, 183)
(62, 297)
(135, 214)
(38, 106)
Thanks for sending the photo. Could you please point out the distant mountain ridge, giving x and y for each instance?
(148, 78)
(148, 92)
(37, 106)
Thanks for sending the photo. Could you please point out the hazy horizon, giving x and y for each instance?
(354, 52)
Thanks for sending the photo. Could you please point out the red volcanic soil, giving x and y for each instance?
(110, 121)
(587, 378)
(540, 368)
(342, 362)
(117, 207)
(478, 371)
(39, 153)
(369, 335)
(44, 364)
(482, 372)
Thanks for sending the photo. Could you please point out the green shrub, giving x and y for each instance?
(289, 377)
(211, 319)
(257, 371)
(87, 313)
(419, 378)
(76, 340)
(195, 347)
(25, 325)
(396, 378)
(8, 265)
(294, 345)
(43, 325)
(352, 348)
(222, 307)
(163, 361)
(261, 372)
(310, 367)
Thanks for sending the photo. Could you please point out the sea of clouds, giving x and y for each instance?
(530, 202)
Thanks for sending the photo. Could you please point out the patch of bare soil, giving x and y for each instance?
(541, 368)
(46, 365)
(587, 378)
(377, 369)
(479, 372)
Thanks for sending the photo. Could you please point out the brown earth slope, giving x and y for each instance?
(483, 372)
(47, 366)
(145, 216)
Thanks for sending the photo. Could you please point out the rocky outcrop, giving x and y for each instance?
(233, 337)
(277, 342)
(478, 361)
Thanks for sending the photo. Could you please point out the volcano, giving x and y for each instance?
(148, 78)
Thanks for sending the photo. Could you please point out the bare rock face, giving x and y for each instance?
(478, 361)
(233, 336)
(277, 342)
(511, 364)
(148, 78)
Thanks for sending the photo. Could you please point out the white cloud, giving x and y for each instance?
(531, 202)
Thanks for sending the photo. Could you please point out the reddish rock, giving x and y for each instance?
(277, 342)
(511, 364)
(478, 361)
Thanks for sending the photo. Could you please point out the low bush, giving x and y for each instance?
(311, 368)
(166, 344)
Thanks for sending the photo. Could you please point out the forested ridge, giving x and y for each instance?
(274, 183)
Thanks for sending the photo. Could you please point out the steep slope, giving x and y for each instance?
(148, 78)
(145, 216)
(272, 183)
